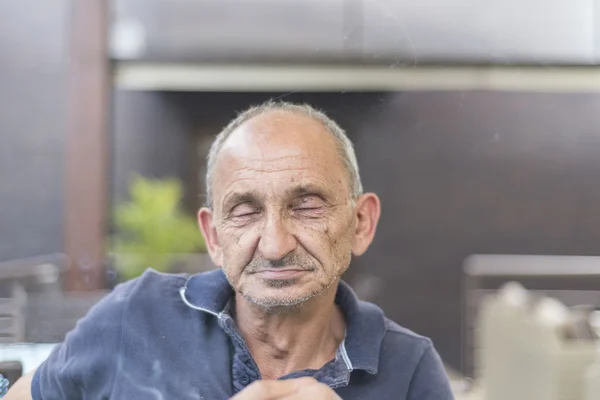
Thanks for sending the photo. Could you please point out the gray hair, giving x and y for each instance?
(344, 145)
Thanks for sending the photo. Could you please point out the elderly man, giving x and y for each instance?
(285, 213)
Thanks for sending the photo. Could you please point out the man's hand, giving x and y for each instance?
(290, 389)
(21, 390)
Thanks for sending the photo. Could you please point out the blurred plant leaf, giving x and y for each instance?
(151, 227)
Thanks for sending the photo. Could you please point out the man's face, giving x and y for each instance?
(282, 210)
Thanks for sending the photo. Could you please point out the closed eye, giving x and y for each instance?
(243, 210)
(309, 204)
(245, 214)
(308, 201)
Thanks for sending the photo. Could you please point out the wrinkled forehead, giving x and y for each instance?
(277, 149)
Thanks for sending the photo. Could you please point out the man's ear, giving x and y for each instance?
(207, 226)
(368, 209)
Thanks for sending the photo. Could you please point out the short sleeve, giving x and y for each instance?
(430, 381)
(84, 366)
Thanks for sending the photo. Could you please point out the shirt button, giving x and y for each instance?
(244, 380)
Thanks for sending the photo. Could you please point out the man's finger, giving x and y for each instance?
(267, 390)
(309, 388)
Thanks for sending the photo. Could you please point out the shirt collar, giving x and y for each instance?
(210, 292)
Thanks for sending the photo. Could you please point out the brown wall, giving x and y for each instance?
(458, 173)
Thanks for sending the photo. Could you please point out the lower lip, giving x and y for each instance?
(283, 274)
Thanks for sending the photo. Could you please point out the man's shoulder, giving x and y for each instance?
(398, 338)
(150, 279)
(397, 335)
(401, 343)
(394, 336)
(407, 354)
(404, 361)
(149, 290)
(402, 348)
(156, 294)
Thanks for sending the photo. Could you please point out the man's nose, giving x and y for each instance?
(276, 241)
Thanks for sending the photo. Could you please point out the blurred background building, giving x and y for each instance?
(477, 123)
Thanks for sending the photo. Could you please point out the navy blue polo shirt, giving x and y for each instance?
(164, 336)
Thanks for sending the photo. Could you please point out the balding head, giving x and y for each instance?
(344, 146)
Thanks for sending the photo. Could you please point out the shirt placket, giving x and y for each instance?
(244, 370)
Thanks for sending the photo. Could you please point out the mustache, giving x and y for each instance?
(295, 260)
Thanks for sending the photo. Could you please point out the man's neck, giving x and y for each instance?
(306, 337)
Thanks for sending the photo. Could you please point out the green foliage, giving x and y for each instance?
(152, 228)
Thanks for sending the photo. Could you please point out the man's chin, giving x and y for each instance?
(280, 283)
(279, 308)
(281, 294)
(278, 302)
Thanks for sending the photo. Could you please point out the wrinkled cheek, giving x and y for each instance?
(342, 250)
(344, 260)
(317, 227)
(238, 251)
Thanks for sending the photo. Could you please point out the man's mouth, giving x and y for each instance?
(281, 273)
